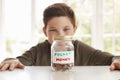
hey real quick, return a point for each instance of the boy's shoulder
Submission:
(44, 43)
(78, 43)
(41, 45)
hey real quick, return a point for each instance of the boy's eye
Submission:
(66, 29)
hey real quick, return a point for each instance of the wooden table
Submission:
(45, 73)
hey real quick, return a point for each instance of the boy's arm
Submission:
(29, 57)
(91, 56)
(100, 58)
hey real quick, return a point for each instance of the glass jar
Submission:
(62, 53)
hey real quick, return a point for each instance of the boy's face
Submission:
(59, 26)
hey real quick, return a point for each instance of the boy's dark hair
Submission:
(57, 10)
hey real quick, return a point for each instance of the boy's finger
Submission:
(20, 65)
(5, 67)
(1, 65)
(117, 66)
(12, 66)
(112, 66)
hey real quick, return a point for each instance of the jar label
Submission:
(63, 57)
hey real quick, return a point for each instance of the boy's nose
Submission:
(60, 33)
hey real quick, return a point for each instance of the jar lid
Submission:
(63, 38)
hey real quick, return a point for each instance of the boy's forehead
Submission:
(53, 27)
(59, 21)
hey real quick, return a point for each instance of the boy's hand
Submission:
(11, 65)
(115, 64)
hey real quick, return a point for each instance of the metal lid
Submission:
(63, 38)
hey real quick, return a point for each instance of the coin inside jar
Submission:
(62, 67)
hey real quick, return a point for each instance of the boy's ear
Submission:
(75, 28)
(44, 30)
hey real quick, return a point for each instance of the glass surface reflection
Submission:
(62, 75)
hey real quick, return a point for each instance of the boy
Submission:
(59, 20)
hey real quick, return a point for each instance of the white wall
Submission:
(2, 45)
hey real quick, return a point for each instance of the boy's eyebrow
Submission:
(52, 27)
(55, 27)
